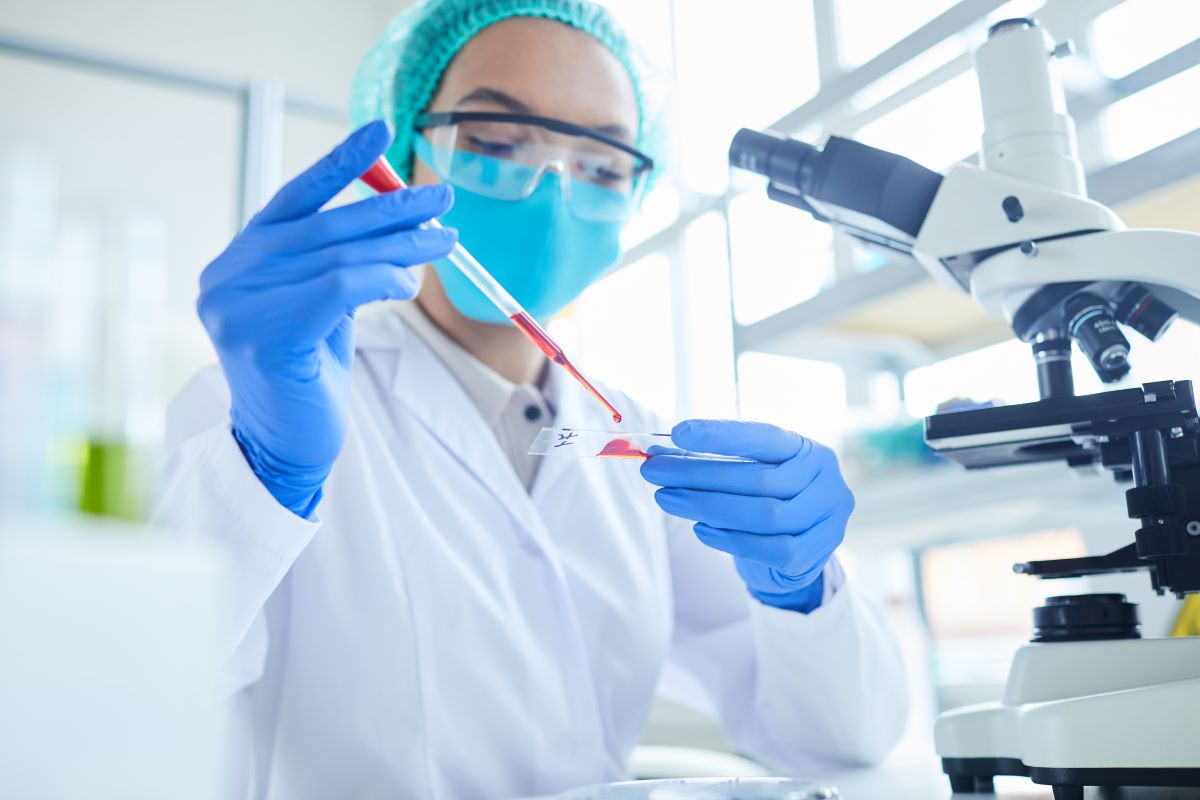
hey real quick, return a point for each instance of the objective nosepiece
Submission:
(1053, 358)
(1137, 308)
(1091, 323)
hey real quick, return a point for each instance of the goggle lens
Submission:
(507, 161)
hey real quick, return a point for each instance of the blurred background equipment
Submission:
(1065, 270)
(762, 311)
(108, 680)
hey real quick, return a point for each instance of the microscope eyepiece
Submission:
(1090, 322)
(780, 159)
(875, 195)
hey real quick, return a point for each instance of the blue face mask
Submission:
(535, 247)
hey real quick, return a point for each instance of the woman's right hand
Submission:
(279, 307)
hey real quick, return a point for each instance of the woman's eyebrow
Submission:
(616, 130)
(485, 94)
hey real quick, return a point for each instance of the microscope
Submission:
(1088, 701)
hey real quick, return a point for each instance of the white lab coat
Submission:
(439, 632)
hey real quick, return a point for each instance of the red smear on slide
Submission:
(621, 448)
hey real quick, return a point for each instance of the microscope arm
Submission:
(1165, 261)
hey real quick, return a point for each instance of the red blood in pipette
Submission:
(622, 448)
(530, 328)
(382, 178)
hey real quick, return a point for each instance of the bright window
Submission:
(808, 397)
(915, 69)
(1153, 116)
(738, 66)
(781, 255)
(659, 210)
(868, 27)
(648, 22)
(979, 612)
(707, 360)
(937, 129)
(1173, 357)
(622, 327)
(1005, 372)
(969, 589)
(1136, 32)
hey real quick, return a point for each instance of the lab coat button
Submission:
(533, 413)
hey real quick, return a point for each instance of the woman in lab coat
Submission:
(420, 609)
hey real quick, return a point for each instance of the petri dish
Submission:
(705, 789)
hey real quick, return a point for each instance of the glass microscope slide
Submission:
(581, 443)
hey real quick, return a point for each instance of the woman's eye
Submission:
(492, 148)
(606, 177)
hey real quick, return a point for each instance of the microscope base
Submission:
(1075, 714)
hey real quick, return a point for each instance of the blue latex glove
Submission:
(780, 516)
(279, 306)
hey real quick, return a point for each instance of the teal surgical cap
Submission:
(401, 72)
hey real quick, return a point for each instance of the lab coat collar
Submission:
(424, 386)
(488, 391)
(443, 406)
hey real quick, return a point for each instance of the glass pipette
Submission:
(382, 178)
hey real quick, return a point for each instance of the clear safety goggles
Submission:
(507, 156)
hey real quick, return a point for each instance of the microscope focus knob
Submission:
(1156, 541)
(1155, 500)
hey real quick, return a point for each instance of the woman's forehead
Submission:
(488, 98)
(542, 67)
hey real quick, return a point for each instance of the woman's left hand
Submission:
(780, 516)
